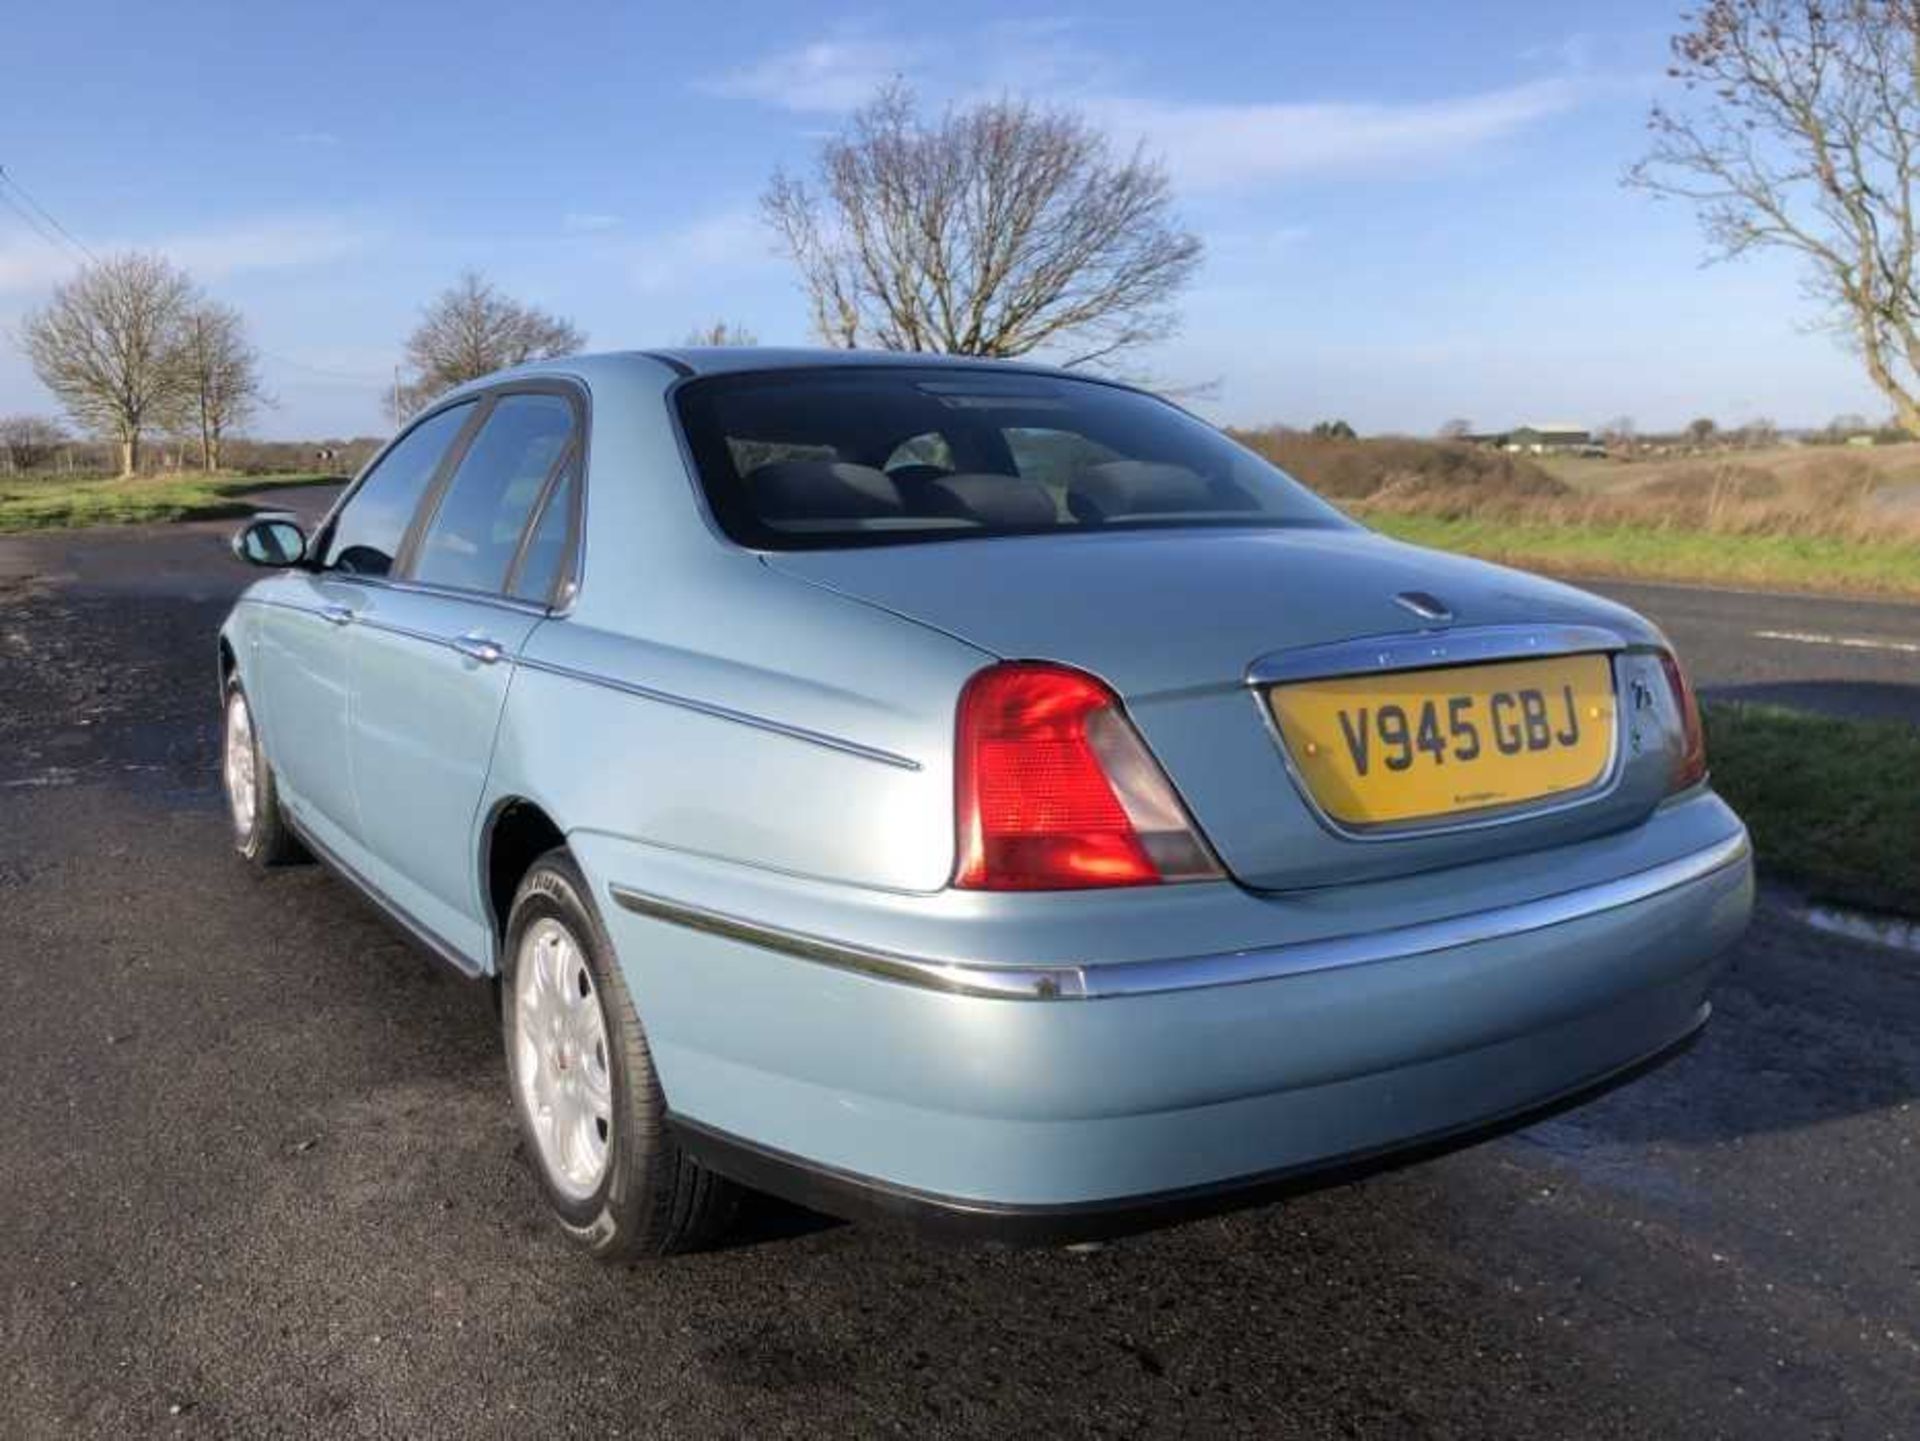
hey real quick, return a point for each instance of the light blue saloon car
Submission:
(967, 791)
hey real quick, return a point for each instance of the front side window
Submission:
(475, 533)
(367, 535)
(815, 458)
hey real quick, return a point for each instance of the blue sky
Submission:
(1412, 210)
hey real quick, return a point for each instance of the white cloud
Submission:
(826, 75)
(1208, 145)
(673, 258)
(1216, 146)
(588, 222)
(31, 264)
(269, 243)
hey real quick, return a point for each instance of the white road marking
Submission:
(1851, 642)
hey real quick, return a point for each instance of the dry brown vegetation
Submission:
(1828, 494)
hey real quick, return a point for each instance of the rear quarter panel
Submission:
(748, 718)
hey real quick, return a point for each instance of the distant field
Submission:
(1651, 552)
(54, 503)
(1887, 476)
(1812, 518)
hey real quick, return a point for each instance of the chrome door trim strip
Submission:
(1429, 650)
(343, 615)
(1107, 980)
(643, 692)
(721, 712)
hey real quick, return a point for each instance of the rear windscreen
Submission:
(817, 457)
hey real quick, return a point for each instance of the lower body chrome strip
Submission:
(1101, 980)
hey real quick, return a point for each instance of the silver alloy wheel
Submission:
(560, 1060)
(237, 766)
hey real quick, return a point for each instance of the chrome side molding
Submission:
(1009, 983)
(1426, 650)
(721, 712)
(1107, 980)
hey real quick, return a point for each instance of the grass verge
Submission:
(55, 504)
(1771, 562)
(1833, 805)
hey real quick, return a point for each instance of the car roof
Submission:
(729, 359)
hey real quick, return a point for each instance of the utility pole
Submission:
(396, 398)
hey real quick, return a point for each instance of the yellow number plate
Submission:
(1410, 745)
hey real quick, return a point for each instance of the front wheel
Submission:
(260, 831)
(584, 1088)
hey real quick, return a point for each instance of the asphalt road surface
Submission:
(258, 1172)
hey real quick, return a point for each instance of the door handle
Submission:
(336, 614)
(475, 646)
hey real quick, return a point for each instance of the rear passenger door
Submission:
(489, 554)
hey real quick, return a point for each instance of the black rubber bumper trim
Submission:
(857, 1197)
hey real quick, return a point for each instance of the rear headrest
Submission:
(1001, 500)
(822, 490)
(908, 476)
(1137, 487)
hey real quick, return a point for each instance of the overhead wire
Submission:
(47, 226)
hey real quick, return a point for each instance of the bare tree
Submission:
(998, 230)
(471, 330)
(1701, 430)
(107, 346)
(220, 377)
(722, 333)
(1806, 137)
(1619, 431)
(31, 441)
(1456, 429)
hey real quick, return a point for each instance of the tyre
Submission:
(584, 1088)
(260, 830)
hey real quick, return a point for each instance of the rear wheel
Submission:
(260, 831)
(584, 1087)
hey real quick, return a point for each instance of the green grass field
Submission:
(52, 503)
(1768, 562)
(1833, 805)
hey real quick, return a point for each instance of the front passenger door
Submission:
(434, 658)
(302, 663)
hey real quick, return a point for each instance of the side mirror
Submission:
(270, 540)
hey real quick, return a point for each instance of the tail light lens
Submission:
(1690, 768)
(1056, 791)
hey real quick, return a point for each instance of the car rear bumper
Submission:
(1062, 1103)
(855, 1197)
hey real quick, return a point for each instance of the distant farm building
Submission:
(1542, 440)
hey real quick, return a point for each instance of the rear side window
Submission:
(811, 458)
(475, 532)
(545, 563)
(367, 535)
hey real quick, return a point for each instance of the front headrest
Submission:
(1138, 487)
(822, 490)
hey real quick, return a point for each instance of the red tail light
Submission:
(1055, 791)
(1691, 766)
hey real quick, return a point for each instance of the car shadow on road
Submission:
(1808, 1028)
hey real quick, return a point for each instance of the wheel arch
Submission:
(518, 831)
